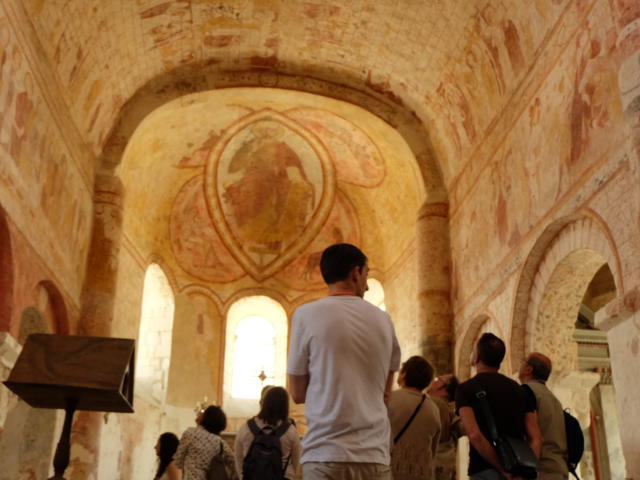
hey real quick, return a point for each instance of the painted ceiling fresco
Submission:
(456, 64)
(257, 182)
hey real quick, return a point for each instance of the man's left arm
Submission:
(394, 364)
(534, 436)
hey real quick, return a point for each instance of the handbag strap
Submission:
(406, 425)
(488, 416)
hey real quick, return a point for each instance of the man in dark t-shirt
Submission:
(513, 409)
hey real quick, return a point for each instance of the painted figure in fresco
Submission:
(273, 199)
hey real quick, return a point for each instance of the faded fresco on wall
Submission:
(38, 176)
(196, 243)
(267, 199)
(342, 226)
(268, 184)
(357, 158)
(485, 72)
(569, 126)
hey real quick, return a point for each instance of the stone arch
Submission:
(60, 320)
(190, 79)
(579, 243)
(6, 274)
(465, 347)
(27, 438)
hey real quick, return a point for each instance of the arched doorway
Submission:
(571, 280)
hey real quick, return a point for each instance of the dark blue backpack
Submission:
(575, 442)
(264, 458)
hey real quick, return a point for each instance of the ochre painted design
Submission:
(196, 243)
(269, 185)
(267, 201)
(341, 226)
(357, 158)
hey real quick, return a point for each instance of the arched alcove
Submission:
(559, 239)
(51, 302)
(255, 353)
(154, 336)
(576, 273)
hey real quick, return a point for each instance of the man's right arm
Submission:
(298, 387)
(478, 440)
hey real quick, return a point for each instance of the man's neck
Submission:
(341, 288)
(482, 368)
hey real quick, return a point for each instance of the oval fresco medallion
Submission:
(269, 186)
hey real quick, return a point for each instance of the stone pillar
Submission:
(621, 320)
(9, 351)
(96, 311)
(434, 286)
(99, 289)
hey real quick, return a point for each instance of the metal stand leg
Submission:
(63, 450)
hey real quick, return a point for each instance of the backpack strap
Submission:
(253, 426)
(278, 432)
(406, 425)
(282, 429)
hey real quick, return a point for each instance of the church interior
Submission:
(485, 155)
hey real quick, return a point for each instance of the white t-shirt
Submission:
(347, 346)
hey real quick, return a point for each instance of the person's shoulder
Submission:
(471, 383)
(308, 307)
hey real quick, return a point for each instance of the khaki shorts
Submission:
(345, 471)
(551, 476)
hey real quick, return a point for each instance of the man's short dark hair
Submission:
(491, 350)
(338, 260)
(539, 370)
(214, 420)
(418, 372)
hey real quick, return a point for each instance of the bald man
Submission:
(534, 372)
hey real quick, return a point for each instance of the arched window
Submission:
(375, 294)
(154, 337)
(255, 354)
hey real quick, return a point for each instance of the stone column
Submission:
(99, 289)
(96, 311)
(9, 351)
(434, 286)
(621, 320)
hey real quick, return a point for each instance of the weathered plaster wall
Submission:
(567, 152)
(43, 190)
(560, 151)
(400, 285)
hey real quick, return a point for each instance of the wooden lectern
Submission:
(74, 373)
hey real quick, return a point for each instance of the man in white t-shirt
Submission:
(342, 358)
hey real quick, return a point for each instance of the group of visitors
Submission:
(343, 357)
(201, 453)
